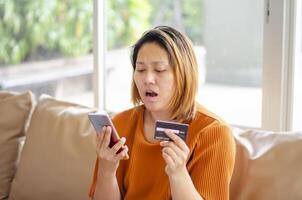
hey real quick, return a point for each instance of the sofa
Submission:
(47, 151)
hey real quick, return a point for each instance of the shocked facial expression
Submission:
(154, 77)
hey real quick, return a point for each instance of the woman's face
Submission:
(154, 77)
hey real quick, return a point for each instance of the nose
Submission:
(149, 78)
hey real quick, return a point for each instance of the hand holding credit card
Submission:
(177, 128)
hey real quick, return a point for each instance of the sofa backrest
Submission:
(59, 153)
(268, 165)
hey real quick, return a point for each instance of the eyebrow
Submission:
(153, 62)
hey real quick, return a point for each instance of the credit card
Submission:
(178, 128)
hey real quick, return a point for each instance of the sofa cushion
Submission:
(15, 109)
(268, 165)
(58, 155)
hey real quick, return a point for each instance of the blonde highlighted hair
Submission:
(184, 65)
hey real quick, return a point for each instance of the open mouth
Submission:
(151, 94)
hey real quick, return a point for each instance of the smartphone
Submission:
(101, 119)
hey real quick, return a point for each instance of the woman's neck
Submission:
(153, 116)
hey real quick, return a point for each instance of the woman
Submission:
(164, 87)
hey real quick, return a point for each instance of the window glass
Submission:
(227, 38)
(46, 47)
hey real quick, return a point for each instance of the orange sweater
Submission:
(210, 164)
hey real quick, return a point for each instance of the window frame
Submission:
(278, 69)
(99, 52)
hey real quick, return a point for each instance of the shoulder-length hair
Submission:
(183, 61)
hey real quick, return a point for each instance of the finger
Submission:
(121, 154)
(100, 137)
(118, 145)
(107, 136)
(169, 161)
(126, 157)
(178, 141)
(176, 159)
(100, 134)
(179, 152)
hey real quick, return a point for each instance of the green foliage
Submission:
(188, 17)
(193, 20)
(126, 21)
(27, 26)
(72, 27)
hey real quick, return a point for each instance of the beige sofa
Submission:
(58, 154)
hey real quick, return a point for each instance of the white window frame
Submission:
(278, 57)
(278, 69)
(99, 52)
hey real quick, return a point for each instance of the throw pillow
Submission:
(59, 153)
(14, 112)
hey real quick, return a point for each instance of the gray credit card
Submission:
(178, 128)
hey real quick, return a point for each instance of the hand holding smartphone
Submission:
(101, 119)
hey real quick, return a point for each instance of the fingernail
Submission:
(162, 143)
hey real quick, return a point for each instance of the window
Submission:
(255, 90)
(232, 41)
(297, 106)
(46, 47)
(227, 38)
(249, 53)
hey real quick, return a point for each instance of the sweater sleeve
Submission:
(212, 162)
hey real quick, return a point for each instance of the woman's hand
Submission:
(175, 154)
(108, 157)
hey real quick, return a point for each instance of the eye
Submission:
(139, 70)
(160, 70)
